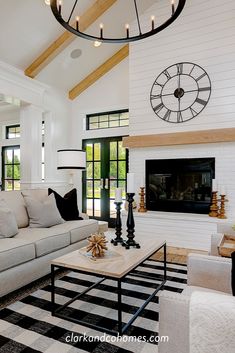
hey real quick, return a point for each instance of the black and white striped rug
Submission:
(27, 325)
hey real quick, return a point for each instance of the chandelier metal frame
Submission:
(56, 10)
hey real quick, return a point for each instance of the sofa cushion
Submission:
(15, 202)
(14, 252)
(189, 290)
(79, 230)
(42, 214)
(8, 224)
(45, 240)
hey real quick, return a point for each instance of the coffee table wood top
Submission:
(118, 265)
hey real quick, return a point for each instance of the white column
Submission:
(31, 146)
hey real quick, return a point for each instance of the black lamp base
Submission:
(130, 224)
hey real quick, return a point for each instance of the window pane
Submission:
(124, 122)
(121, 169)
(89, 152)
(16, 156)
(121, 151)
(97, 151)
(122, 184)
(8, 185)
(8, 156)
(93, 119)
(113, 186)
(89, 206)
(112, 209)
(94, 126)
(16, 185)
(113, 150)
(89, 170)
(89, 189)
(113, 170)
(97, 208)
(16, 172)
(8, 172)
(114, 123)
(97, 174)
(103, 125)
(114, 117)
(124, 115)
(97, 189)
(104, 118)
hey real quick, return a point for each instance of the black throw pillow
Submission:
(233, 272)
(67, 205)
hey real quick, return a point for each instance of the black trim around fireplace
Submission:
(179, 185)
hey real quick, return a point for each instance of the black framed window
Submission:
(12, 131)
(11, 168)
(107, 120)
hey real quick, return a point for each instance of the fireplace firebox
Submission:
(179, 185)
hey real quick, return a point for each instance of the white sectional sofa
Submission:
(26, 257)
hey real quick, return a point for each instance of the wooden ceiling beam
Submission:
(86, 20)
(99, 72)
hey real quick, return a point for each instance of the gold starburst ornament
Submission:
(97, 245)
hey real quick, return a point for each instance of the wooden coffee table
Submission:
(119, 263)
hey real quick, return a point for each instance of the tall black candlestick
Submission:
(130, 224)
(118, 226)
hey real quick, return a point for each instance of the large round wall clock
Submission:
(180, 92)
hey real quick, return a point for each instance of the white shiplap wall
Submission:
(203, 34)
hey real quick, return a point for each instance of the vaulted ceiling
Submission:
(28, 28)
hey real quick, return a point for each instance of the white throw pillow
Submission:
(8, 224)
(42, 214)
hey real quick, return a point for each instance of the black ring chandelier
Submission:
(56, 7)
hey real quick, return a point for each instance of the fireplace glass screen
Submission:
(179, 185)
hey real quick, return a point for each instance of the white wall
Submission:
(111, 92)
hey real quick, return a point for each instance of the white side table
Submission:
(102, 227)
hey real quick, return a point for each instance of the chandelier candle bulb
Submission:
(153, 22)
(173, 6)
(130, 183)
(60, 6)
(214, 185)
(127, 30)
(118, 195)
(101, 30)
(77, 23)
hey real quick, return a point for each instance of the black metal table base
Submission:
(121, 327)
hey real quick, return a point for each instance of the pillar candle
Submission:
(214, 185)
(130, 183)
(118, 195)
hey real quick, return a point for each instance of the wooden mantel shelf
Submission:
(180, 138)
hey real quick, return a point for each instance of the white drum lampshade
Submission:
(71, 159)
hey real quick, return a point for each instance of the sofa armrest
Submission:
(84, 216)
(174, 322)
(215, 240)
(212, 272)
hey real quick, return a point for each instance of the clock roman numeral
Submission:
(155, 96)
(158, 108)
(167, 115)
(202, 89)
(200, 77)
(179, 69)
(201, 101)
(158, 84)
(179, 117)
(166, 73)
(193, 112)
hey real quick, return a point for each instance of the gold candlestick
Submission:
(214, 205)
(142, 202)
(221, 213)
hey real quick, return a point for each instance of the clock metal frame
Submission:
(179, 93)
